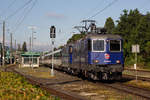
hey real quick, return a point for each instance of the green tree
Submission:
(127, 28)
(147, 49)
(109, 25)
(24, 47)
(134, 27)
(147, 56)
(143, 35)
(60, 47)
(76, 37)
(19, 47)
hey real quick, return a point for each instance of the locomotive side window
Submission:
(98, 45)
(115, 45)
(89, 45)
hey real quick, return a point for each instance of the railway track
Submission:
(138, 77)
(54, 91)
(139, 70)
(127, 88)
(143, 75)
(119, 86)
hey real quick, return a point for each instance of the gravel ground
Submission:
(76, 85)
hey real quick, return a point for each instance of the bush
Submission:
(15, 87)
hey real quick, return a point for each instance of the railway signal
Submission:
(52, 32)
(52, 36)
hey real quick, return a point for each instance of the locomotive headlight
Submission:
(117, 61)
(95, 61)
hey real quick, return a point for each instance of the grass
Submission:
(37, 72)
(40, 74)
(15, 87)
(139, 83)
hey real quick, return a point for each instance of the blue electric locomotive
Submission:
(98, 56)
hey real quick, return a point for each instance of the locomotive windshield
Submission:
(115, 45)
(98, 45)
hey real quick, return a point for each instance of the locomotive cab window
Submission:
(115, 45)
(98, 45)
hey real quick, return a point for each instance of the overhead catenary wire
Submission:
(20, 21)
(95, 7)
(19, 9)
(92, 10)
(9, 6)
(107, 6)
(100, 11)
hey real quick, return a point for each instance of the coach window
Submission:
(115, 45)
(70, 49)
(98, 45)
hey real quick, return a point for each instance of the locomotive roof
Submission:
(97, 36)
(104, 36)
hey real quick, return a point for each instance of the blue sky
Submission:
(64, 14)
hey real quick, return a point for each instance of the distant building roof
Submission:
(30, 54)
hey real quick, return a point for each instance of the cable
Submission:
(98, 4)
(90, 11)
(23, 18)
(11, 15)
(110, 4)
(9, 6)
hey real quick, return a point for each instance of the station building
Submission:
(30, 59)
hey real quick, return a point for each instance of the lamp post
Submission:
(52, 36)
(32, 28)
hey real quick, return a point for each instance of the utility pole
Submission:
(3, 44)
(32, 46)
(30, 50)
(15, 46)
(15, 52)
(10, 48)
